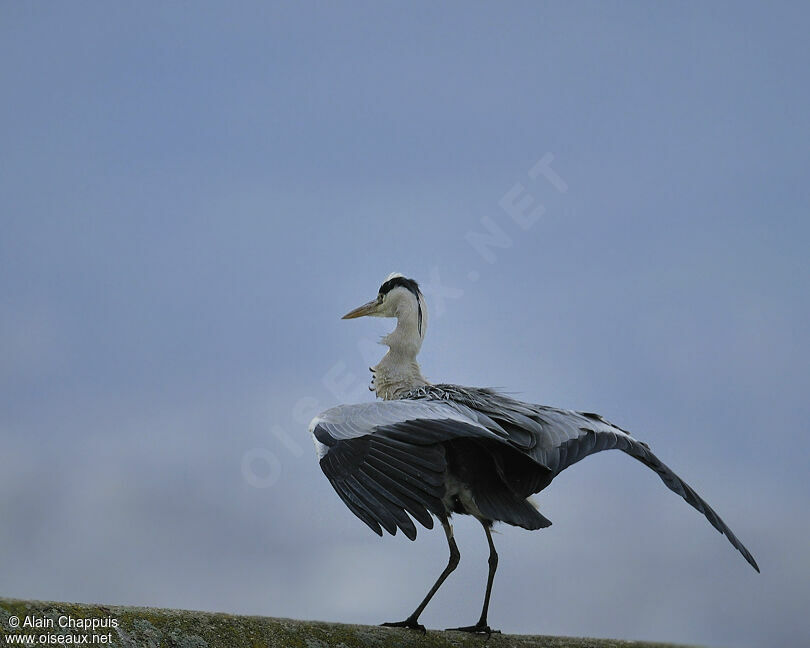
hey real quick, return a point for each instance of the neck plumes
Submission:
(398, 372)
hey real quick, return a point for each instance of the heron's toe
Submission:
(478, 628)
(413, 624)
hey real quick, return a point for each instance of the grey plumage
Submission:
(387, 458)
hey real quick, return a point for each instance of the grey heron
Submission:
(437, 449)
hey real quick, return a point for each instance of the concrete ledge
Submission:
(69, 624)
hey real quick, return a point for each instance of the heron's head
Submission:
(398, 297)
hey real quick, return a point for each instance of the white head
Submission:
(398, 297)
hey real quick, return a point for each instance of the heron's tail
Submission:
(501, 505)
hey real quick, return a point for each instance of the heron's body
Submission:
(434, 450)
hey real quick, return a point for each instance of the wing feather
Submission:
(386, 461)
(381, 513)
(359, 509)
(401, 495)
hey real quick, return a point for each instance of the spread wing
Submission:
(385, 459)
(556, 439)
(582, 434)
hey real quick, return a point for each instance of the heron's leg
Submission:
(455, 556)
(481, 626)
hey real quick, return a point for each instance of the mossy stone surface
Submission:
(162, 628)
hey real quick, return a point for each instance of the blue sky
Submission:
(191, 198)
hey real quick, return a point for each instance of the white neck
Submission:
(398, 372)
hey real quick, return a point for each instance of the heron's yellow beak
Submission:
(365, 309)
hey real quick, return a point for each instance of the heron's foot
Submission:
(478, 628)
(411, 623)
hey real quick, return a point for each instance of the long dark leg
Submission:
(481, 626)
(455, 556)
